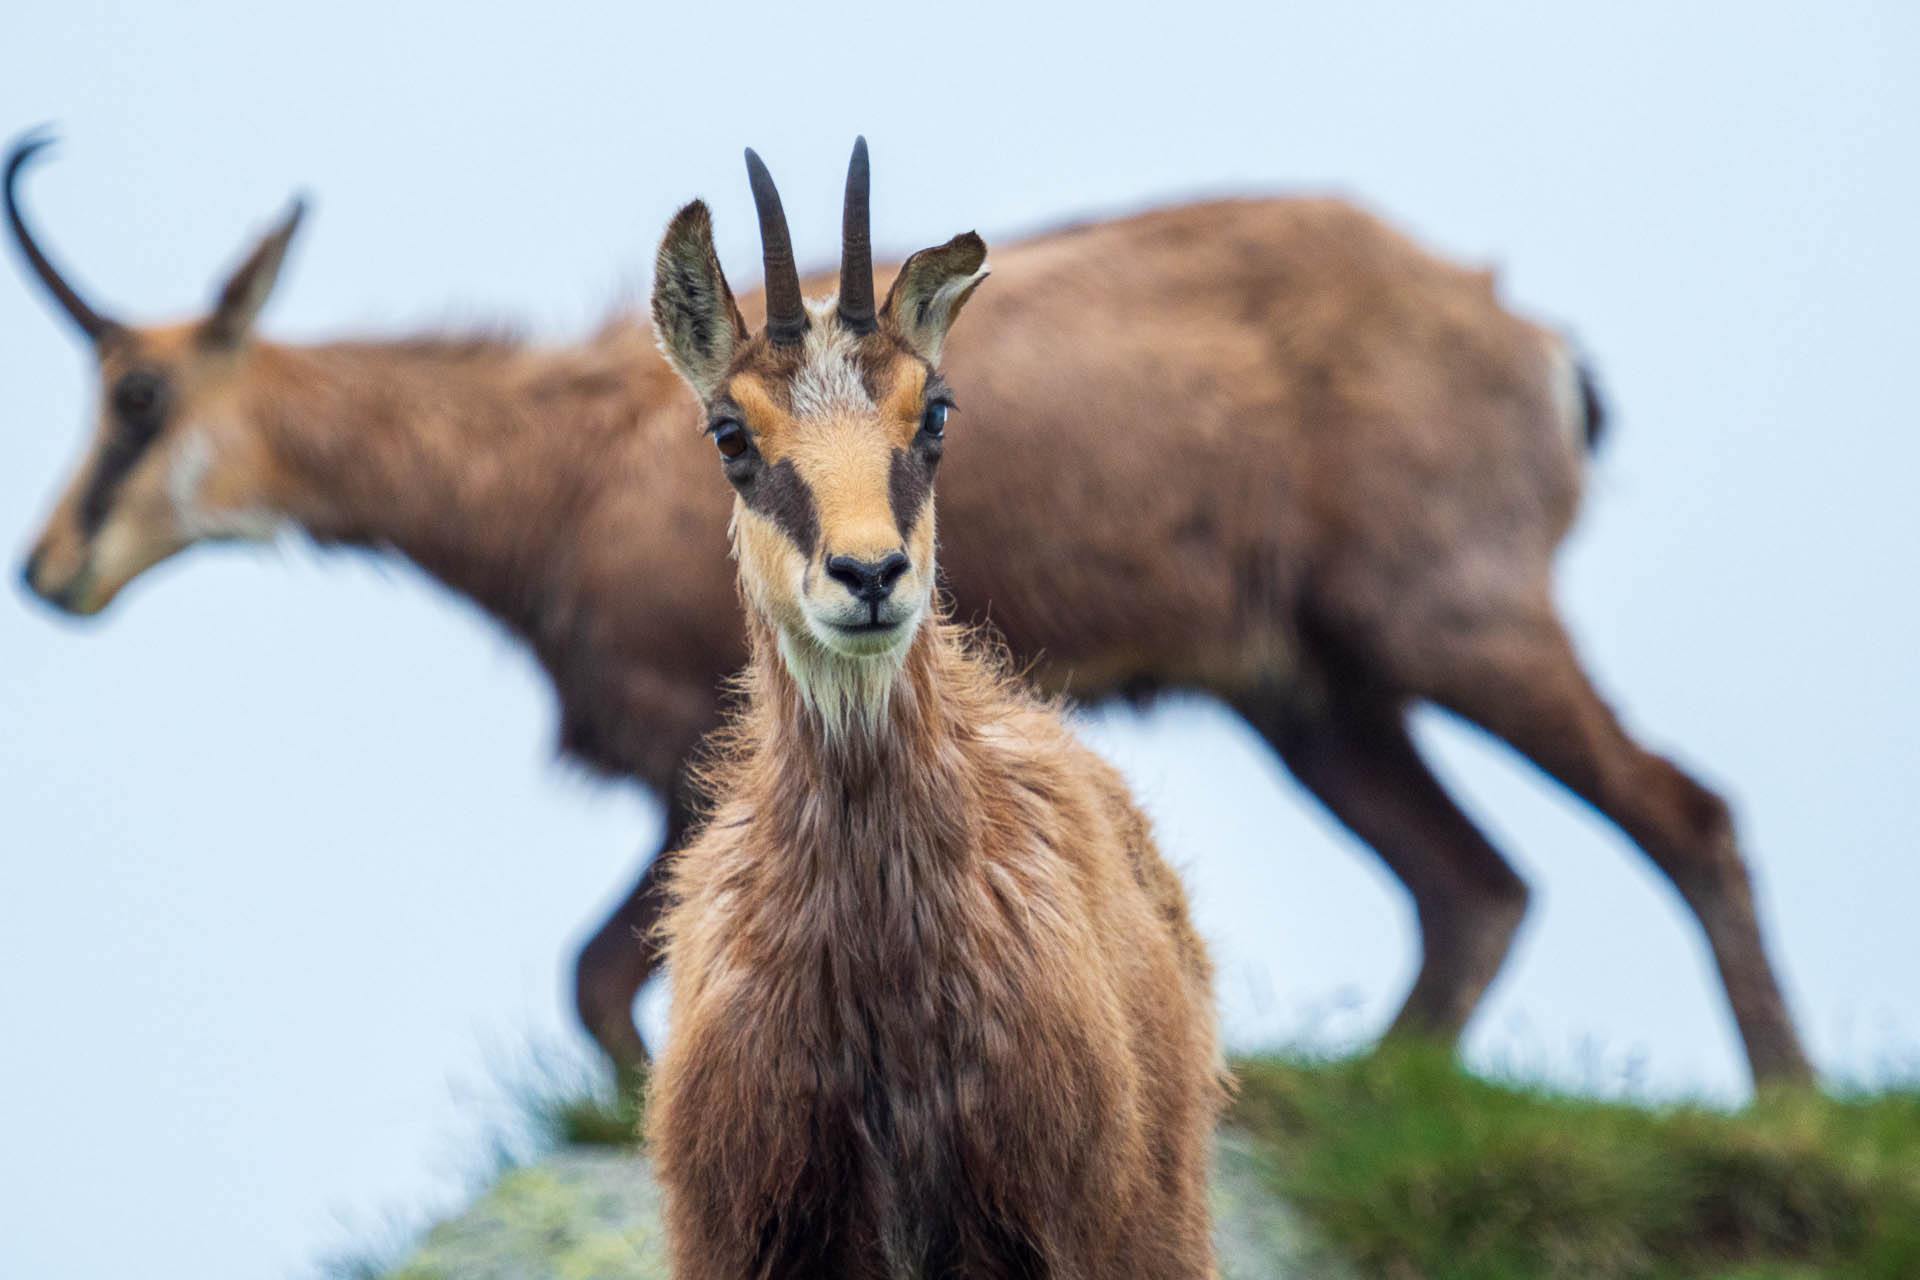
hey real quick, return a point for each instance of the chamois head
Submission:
(168, 466)
(829, 425)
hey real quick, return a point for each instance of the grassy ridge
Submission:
(1414, 1169)
(1417, 1170)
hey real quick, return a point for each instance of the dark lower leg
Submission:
(1358, 760)
(614, 964)
(1689, 833)
(622, 955)
(1527, 687)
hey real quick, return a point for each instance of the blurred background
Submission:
(286, 869)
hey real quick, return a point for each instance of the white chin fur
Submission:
(847, 679)
(859, 645)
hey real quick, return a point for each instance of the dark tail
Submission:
(1593, 409)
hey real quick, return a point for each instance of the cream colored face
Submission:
(831, 447)
(171, 463)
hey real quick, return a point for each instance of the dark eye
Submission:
(137, 399)
(934, 420)
(730, 438)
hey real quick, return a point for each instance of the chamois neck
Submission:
(871, 827)
(846, 716)
(866, 795)
(470, 457)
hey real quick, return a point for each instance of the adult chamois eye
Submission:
(934, 420)
(138, 400)
(730, 438)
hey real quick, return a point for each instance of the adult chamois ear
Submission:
(695, 319)
(247, 289)
(930, 290)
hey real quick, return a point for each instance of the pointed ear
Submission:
(248, 288)
(695, 319)
(930, 290)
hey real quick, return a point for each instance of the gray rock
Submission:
(1257, 1235)
(594, 1214)
(588, 1213)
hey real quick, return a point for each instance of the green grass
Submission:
(604, 1114)
(1417, 1170)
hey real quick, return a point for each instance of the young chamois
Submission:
(1268, 450)
(937, 1007)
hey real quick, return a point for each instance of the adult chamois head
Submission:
(162, 472)
(829, 425)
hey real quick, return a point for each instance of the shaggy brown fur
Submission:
(960, 1009)
(1265, 449)
(937, 1007)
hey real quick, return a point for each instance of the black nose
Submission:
(871, 581)
(30, 570)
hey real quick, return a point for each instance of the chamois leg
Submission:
(623, 954)
(1520, 679)
(1356, 757)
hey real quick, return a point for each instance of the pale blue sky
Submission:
(284, 853)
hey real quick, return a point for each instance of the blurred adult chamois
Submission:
(938, 1009)
(1266, 449)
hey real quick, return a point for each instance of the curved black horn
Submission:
(856, 248)
(786, 313)
(91, 322)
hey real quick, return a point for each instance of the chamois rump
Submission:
(1264, 449)
(937, 1006)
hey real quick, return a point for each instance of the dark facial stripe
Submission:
(139, 402)
(778, 493)
(909, 482)
(122, 454)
